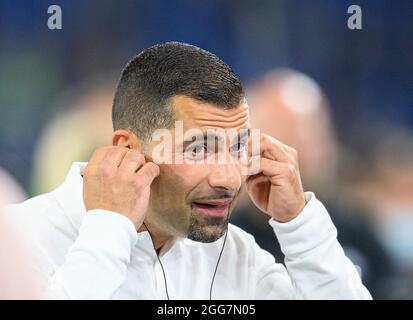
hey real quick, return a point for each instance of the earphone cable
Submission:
(160, 262)
(216, 267)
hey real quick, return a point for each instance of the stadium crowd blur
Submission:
(342, 98)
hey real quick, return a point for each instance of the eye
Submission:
(238, 147)
(197, 150)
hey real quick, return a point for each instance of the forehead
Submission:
(205, 116)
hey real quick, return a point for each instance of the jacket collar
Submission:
(70, 194)
(70, 197)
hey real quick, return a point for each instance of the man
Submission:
(128, 226)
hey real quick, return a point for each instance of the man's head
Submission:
(178, 82)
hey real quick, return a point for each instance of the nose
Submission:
(226, 176)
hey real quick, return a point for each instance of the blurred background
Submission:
(343, 98)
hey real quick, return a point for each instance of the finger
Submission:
(255, 179)
(274, 149)
(99, 154)
(270, 148)
(115, 156)
(275, 171)
(148, 173)
(260, 164)
(271, 168)
(267, 167)
(131, 162)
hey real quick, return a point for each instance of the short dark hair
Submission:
(162, 71)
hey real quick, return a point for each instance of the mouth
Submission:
(213, 208)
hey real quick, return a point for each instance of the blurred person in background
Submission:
(10, 189)
(16, 277)
(381, 180)
(290, 106)
(74, 133)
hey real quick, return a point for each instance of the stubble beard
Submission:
(207, 229)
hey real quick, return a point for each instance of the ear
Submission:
(127, 139)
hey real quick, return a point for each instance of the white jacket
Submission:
(99, 255)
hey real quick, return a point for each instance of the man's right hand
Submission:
(118, 179)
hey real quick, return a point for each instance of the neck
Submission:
(158, 238)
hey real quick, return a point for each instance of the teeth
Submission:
(206, 204)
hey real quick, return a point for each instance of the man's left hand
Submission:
(276, 189)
